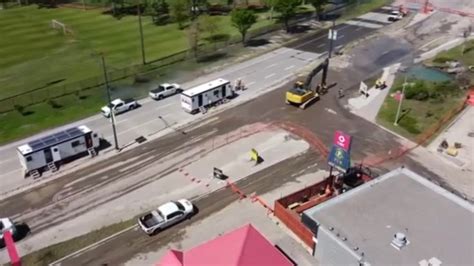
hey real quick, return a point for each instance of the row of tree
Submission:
(242, 19)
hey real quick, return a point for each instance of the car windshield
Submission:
(180, 206)
(110, 105)
(159, 89)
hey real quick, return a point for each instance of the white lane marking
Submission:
(270, 66)
(269, 76)
(330, 111)
(340, 36)
(163, 106)
(93, 245)
(290, 67)
(250, 83)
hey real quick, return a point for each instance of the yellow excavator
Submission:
(301, 94)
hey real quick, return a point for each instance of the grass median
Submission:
(57, 251)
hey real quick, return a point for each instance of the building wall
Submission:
(333, 251)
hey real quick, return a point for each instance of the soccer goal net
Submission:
(57, 25)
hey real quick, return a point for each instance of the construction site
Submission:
(303, 174)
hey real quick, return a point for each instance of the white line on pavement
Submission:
(92, 245)
(340, 36)
(290, 67)
(250, 83)
(269, 76)
(270, 66)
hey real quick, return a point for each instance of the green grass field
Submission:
(417, 116)
(33, 54)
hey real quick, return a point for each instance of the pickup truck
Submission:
(166, 215)
(164, 90)
(119, 106)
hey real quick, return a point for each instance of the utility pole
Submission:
(395, 123)
(112, 115)
(141, 32)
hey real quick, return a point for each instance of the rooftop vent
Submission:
(399, 241)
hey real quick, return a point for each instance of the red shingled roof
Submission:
(242, 247)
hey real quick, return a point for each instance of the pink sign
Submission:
(342, 140)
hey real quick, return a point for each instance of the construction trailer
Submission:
(205, 95)
(47, 152)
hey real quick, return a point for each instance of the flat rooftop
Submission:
(436, 222)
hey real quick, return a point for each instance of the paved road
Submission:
(259, 73)
(320, 119)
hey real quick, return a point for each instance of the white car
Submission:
(6, 225)
(165, 90)
(395, 16)
(166, 215)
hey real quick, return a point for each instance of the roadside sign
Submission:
(342, 140)
(218, 173)
(363, 88)
(332, 35)
(339, 158)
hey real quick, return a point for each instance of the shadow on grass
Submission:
(211, 57)
(256, 42)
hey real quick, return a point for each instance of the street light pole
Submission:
(112, 115)
(141, 32)
(395, 123)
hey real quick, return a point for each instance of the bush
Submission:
(410, 124)
(417, 91)
(19, 108)
(442, 59)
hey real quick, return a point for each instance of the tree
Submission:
(179, 12)
(287, 9)
(271, 4)
(318, 6)
(210, 24)
(243, 20)
(160, 12)
(193, 33)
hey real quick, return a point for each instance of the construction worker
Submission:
(341, 93)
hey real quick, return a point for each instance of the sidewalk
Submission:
(368, 107)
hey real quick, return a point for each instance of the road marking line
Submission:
(290, 67)
(270, 66)
(92, 245)
(269, 76)
(340, 36)
(250, 83)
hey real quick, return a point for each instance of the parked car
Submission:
(6, 225)
(166, 215)
(119, 106)
(165, 90)
(395, 16)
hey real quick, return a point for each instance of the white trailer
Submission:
(205, 95)
(44, 153)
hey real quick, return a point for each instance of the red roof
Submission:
(242, 247)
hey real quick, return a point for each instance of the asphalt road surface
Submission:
(258, 73)
(321, 119)
(368, 139)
